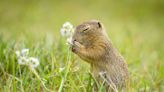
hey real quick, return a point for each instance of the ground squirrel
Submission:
(92, 44)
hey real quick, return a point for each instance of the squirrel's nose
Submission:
(73, 40)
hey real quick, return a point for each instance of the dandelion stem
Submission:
(37, 75)
(66, 71)
(22, 89)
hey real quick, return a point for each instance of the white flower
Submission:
(33, 62)
(25, 52)
(67, 29)
(68, 25)
(65, 32)
(23, 60)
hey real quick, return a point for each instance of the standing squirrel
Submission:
(92, 44)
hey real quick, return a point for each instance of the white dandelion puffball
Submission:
(23, 60)
(22, 53)
(33, 62)
(68, 25)
(25, 52)
(67, 29)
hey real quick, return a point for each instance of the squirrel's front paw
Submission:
(76, 47)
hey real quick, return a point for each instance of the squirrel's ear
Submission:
(99, 25)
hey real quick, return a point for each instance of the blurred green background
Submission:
(136, 28)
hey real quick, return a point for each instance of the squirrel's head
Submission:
(88, 32)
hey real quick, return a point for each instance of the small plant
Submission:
(24, 59)
(31, 62)
(66, 31)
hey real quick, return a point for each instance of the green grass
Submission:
(136, 30)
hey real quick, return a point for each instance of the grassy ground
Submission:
(136, 29)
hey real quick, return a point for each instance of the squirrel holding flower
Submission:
(92, 44)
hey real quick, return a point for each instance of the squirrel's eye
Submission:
(85, 29)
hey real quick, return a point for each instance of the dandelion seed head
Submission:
(65, 32)
(22, 60)
(67, 29)
(68, 25)
(25, 52)
(33, 62)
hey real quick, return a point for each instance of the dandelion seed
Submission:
(33, 62)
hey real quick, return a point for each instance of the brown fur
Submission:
(91, 43)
